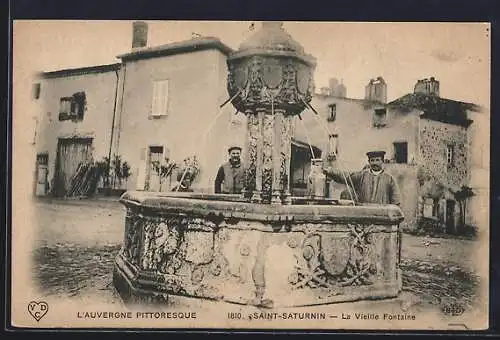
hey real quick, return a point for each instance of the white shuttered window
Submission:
(160, 98)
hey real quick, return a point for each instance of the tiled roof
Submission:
(80, 71)
(303, 145)
(191, 45)
(437, 108)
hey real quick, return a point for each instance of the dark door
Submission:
(401, 152)
(450, 216)
(71, 152)
(153, 180)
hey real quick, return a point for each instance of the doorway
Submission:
(450, 216)
(42, 164)
(153, 178)
(71, 152)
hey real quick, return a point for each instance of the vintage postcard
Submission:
(270, 175)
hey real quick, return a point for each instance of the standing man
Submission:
(372, 184)
(229, 179)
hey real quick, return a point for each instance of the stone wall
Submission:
(434, 138)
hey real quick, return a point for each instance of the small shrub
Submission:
(429, 226)
(467, 230)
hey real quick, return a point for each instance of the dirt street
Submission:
(78, 240)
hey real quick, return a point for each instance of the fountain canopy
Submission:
(270, 80)
(271, 70)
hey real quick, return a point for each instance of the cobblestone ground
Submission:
(78, 240)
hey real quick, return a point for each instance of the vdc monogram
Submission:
(38, 309)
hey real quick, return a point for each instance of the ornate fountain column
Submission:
(272, 79)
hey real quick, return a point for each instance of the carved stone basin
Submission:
(224, 248)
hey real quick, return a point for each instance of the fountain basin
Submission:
(221, 247)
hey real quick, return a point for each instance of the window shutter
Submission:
(164, 96)
(161, 87)
(67, 106)
(154, 104)
(167, 94)
(160, 98)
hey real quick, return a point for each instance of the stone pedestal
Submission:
(264, 255)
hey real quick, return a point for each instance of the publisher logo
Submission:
(452, 308)
(38, 309)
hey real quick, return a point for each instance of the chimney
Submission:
(337, 89)
(342, 89)
(376, 90)
(333, 84)
(428, 86)
(139, 34)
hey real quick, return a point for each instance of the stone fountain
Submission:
(263, 247)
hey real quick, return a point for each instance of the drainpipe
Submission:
(119, 117)
(112, 126)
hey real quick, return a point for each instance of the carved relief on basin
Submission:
(262, 259)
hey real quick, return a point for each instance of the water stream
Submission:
(348, 180)
(205, 135)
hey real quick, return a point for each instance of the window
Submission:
(332, 112)
(155, 153)
(428, 207)
(64, 106)
(78, 108)
(401, 152)
(36, 91)
(380, 117)
(42, 158)
(333, 146)
(160, 98)
(450, 155)
(72, 108)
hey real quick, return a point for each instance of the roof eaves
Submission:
(410, 100)
(305, 145)
(70, 72)
(359, 100)
(186, 46)
(465, 122)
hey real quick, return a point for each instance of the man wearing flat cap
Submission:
(372, 184)
(229, 179)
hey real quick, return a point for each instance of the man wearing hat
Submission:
(229, 179)
(372, 184)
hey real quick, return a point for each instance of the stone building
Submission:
(427, 140)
